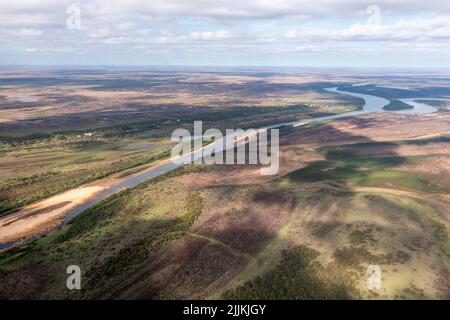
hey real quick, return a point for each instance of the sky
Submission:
(345, 33)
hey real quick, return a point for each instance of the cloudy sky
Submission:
(375, 33)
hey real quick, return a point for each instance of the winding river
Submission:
(419, 107)
(372, 104)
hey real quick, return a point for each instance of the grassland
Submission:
(309, 233)
(41, 104)
(69, 131)
(366, 190)
(37, 170)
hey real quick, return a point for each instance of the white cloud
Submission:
(125, 26)
(211, 35)
(414, 29)
(53, 12)
(224, 26)
(25, 32)
(261, 9)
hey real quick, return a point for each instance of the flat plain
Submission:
(371, 189)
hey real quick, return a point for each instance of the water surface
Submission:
(372, 104)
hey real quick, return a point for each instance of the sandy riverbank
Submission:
(44, 215)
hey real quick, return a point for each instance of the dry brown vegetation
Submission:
(371, 189)
(46, 101)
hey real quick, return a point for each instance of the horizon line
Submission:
(10, 66)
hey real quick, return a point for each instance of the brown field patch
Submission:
(233, 218)
(191, 269)
(371, 127)
(435, 169)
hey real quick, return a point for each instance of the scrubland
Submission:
(366, 190)
(351, 193)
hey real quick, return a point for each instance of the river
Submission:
(371, 104)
